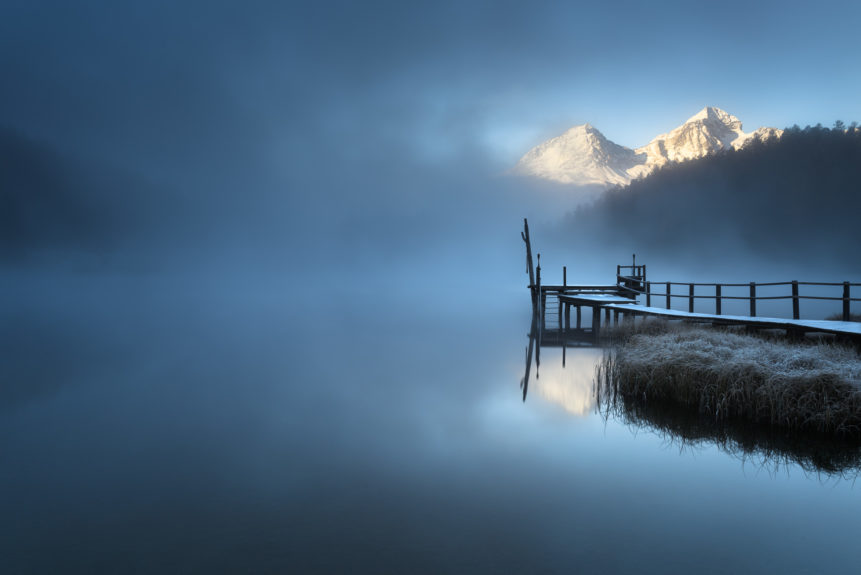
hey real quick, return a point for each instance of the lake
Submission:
(154, 425)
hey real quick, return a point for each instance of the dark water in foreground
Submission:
(173, 431)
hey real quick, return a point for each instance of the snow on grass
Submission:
(734, 376)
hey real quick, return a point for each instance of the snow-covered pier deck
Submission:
(795, 326)
(632, 295)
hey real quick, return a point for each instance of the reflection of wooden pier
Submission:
(620, 300)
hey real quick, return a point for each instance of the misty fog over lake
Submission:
(265, 309)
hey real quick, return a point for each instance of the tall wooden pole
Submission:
(529, 268)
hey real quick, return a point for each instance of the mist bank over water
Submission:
(772, 208)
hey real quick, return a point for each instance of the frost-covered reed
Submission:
(729, 376)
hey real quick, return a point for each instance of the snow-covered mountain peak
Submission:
(715, 115)
(582, 155)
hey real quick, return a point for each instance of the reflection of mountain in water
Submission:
(764, 446)
(570, 386)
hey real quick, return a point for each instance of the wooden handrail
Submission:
(631, 283)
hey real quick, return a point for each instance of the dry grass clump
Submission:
(732, 376)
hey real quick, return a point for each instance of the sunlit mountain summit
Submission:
(583, 156)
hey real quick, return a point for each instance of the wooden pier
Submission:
(632, 296)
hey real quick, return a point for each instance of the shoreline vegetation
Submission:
(754, 395)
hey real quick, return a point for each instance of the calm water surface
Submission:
(151, 428)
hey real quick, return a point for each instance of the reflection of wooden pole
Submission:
(524, 383)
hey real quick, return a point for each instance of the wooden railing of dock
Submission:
(632, 284)
(689, 291)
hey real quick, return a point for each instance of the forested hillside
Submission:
(797, 198)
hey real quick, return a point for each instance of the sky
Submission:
(361, 118)
(261, 260)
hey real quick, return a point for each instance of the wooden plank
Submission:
(593, 299)
(848, 328)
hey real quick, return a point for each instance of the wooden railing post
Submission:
(845, 301)
(618, 273)
(539, 295)
(648, 294)
(690, 298)
(564, 276)
(752, 299)
(717, 299)
(795, 311)
(669, 303)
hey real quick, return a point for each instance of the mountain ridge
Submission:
(584, 156)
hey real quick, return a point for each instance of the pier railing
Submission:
(692, 291)
(632, 283)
